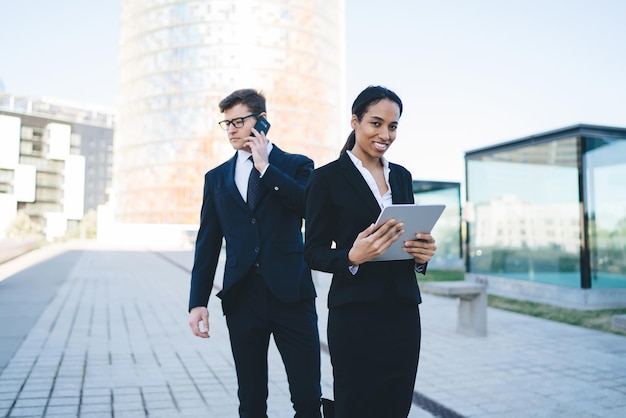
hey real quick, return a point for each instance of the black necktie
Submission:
(254, 186)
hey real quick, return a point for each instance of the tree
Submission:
(22, 225)
(89, 225)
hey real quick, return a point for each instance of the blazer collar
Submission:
(277, 156)
(356, 180)
(398, 194)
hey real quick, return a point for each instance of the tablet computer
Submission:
(416, 218)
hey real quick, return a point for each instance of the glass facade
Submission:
(605, 196)
(178, 59)
(550, 209)
(447, 231)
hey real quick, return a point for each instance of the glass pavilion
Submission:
(546, 216)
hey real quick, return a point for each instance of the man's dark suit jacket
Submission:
(270, 236)
(339, 205)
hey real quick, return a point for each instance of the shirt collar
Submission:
(243, 155)
(359, 163)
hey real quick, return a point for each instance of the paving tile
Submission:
(95, 399)
(66, 393)
(6, 403)
(163, 413)
(128, 406)
(30, 402)
(40, 394)
(63, 410)
(134, 413)
(27, 412)
(63, 401)
(95, 415)
(9, 395)
(95, 408)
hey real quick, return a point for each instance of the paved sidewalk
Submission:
(107, 336)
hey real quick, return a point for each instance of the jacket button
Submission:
(256, 250)
(276, 188)
(253, 220)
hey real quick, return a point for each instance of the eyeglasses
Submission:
(237, 122)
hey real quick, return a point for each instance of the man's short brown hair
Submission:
(249, 97)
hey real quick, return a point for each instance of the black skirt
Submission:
(374, 349)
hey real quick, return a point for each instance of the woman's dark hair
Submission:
(370, 96)
(249, 97)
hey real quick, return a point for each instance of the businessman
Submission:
(257, 205)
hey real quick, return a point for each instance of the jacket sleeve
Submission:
(319, 234)
(208, 247)
(289, 189)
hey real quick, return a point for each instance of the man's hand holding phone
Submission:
(257, 144)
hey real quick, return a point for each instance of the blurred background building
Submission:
(546, 217)
(448, 229)
(55, 161)
(178, 59)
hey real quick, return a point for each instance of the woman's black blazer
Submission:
(339, 205)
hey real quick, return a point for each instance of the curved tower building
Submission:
(178, 59)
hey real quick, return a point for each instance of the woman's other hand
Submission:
(422, 249)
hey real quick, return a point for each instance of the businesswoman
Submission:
(373, 322)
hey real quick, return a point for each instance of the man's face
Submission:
(237, 136)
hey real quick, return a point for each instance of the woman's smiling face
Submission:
(376, 130)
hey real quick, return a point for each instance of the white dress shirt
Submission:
(243, 166)
(383, 200)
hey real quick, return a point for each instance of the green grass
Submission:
(441, 275)
(598, 319)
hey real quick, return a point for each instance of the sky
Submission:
(470, 73)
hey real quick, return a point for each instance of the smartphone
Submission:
(262, 125)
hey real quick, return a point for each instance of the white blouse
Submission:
(385, 199)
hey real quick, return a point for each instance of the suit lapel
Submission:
(229, 181)
(358, 183)
(277, 156)
(398, 190)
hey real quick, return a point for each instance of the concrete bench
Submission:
(472, 304)
(618, 322)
